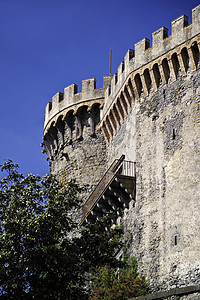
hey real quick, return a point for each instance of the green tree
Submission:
(123, 283)
(40, 258)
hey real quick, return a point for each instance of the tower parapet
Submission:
(146, 68)
(71, 99)
(150, 117)
(74, 146)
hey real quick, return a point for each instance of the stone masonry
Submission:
(74, 145)
(150, 112)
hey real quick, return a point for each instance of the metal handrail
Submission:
(127, 168)
(119, 166)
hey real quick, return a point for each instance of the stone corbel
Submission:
(191, 58)
(162, 74)
(153, 80)
(144, 86)
(172, 71)
(181, 63)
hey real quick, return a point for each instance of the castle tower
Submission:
(74, 146)
(149, 126)
(152, 116)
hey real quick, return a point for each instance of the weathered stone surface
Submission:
(162, 135)
(151, 114)
(86, 161)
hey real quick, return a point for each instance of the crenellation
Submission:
(107, 81)
(162, 44)
(120, 69)
(141, 48)
(73, 99)
(179, 32)
(48, 108)
(56, 99)
(147, 113)
(128, 56)
(114, 81)
(108, 91)
(88, 85)
(129, 60)
(195, 20)
(69, 93)
(158, 38)
(178, 25)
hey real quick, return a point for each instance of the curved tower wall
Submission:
(74, 146)
(152, 116)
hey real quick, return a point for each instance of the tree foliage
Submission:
(118, 284)
(46, 254)
(40, 258)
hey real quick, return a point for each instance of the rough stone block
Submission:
(140, 48)
(129, 54)
(69, 93)
(196, 19)
(106, 81)
(88, 85)
(158, 36)
(178, 25)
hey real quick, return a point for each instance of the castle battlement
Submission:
(72, 100)
(144, 56)
(135, 143)
(146, 69)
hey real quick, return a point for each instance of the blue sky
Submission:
(46, 45)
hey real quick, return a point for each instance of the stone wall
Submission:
(184, 293)
(149, 112)
(161, 134)
(75, 148)
(85, 161)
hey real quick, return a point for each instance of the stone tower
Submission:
(74, 145)
(150, 119)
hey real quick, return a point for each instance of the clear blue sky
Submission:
(45, 45)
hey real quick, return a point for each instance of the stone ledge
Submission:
(173, 292)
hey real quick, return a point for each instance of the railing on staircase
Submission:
(118, 167)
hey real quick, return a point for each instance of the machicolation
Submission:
(136, 143)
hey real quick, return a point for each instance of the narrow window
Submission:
(173, 134)
(123, 67)
(109, 90)
(175, 240)
(116, 78)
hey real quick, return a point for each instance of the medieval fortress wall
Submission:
(150, 112)
(74, 145)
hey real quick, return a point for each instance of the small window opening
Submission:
(116, 78)
(173, 134)
(109, 90)
(175, 240)
(123, 67)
